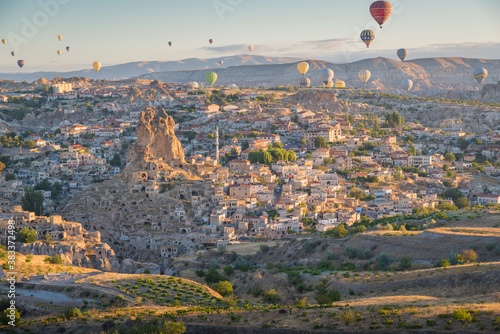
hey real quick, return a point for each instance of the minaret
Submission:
(217, 144)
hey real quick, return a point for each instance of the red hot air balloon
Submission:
(381, 10)
(211, 41)
(20, 63)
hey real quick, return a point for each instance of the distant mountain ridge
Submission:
(427, 74)
(135, 69)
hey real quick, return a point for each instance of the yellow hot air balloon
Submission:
(364, 76)
(59, 52)
(339, 84)
(59, 37)
(303, 67)
(4, 41)
(96, 65)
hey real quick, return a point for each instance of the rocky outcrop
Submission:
(156, 142)
(491, 92)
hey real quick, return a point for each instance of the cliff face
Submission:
(156, 141)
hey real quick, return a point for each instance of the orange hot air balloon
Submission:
(59, 37)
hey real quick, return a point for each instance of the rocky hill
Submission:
(427, 74)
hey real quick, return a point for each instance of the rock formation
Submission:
(156, 142)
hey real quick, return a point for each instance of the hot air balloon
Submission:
(329, 84)
(211, 41)
(367, 36)
(381, 10)
(480, 74)
(13, 53)
(407, 84)
(221, 62)
(250, 47)
(233, 86)
(59, 52)
(303, 67)
(96, 65)
(326, 75)
(20, 63)
(169, 43)
(211, 78)
(305, 82)
(402, 54)
(4, 41)
(67, 48)
(59, 37)
(193, 84)
(364, 76)
(339, 84)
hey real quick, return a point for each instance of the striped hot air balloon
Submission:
(339, 84)
(381, 10)
(480, 74)
(305, 82)
(364, 76)
(367, 36)
(20, 63)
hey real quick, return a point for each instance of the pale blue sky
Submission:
(119, 31)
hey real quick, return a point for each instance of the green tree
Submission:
(449, 157)
(291, 156)
(29, 144)
(2, 167)
(462, 202)
(271, 297)
(32, 201)
(405, 264)
(338, 231)
(303, 142)
(320, 141)
(173, 327)
(224, 288)
(463, 143)
(394, 120)
(26, 235)
(116, 161)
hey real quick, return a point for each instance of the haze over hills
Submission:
(451, 73)
(135, 69)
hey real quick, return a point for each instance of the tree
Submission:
(291, 156)
(5, 317)
(462, 202)
(338, 231)
(463, 143)
(449, 157)
(271, 297)
(405, 264)
(173, 327)
(467, 256)
(26, 235)
(320, 141)
(32, 201)
(394, 120)
(2, 167)
(228, 270)
(224, 288)
(303, 142)
(29, 144)
(116, 161)
(213, 276)
(323, 295)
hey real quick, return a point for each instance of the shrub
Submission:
(467, 256)
(256, 290)
(445, 263)
(271, 297)
(73, 313)
(264, 248)
(430, 322)
(56, 259)
(200, 273)
(4, 317)
(405, 264)
(26, 235)
(228, 270)
(489, 246)
(323, 295)
(224, 288)
(462, 315)
(347, 317)
(384, 261)
(309, 246)
(213, 276)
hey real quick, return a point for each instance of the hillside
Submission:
(428, 74)
(135, 69)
